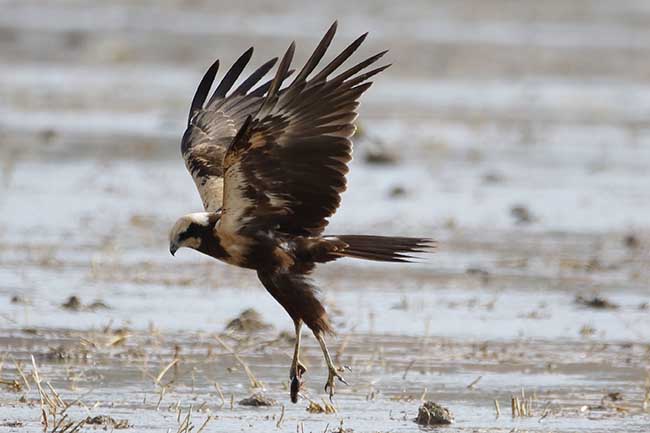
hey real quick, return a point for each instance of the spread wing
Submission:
(211, 127)
(286, 167)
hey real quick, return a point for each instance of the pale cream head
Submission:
(186, 232)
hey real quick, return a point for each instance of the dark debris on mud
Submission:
(59, 353)
(522, 214)
(19, 300)
(377, 153)
(257, 400)
(248, 321)
(397, 191)
(631, 241)
(73, 303)
(431, 413)
(107, 422)
(596, 302)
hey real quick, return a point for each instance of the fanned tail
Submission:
(383, 248)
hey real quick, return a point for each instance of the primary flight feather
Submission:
(269, 161)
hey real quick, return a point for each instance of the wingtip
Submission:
(213, 68)
(203, 89)
(427, 245)
(332, 30)
(290, 52)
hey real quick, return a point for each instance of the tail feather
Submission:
(384, 248)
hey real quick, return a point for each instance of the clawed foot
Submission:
(296, 380)
(333, 374)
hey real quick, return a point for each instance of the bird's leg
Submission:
(297, 369)
(333, 371)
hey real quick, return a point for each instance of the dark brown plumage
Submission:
(270, 165)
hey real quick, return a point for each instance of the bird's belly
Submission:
(254, 253)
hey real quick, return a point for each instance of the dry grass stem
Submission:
(408, 368)
(474, 382)
(279, 423)
(315, 407)
(165, 370)
(161, 396)
(221, 396)
(20, 372)
(521, 406)
(205, 423)
(341, 349)
(251, 377)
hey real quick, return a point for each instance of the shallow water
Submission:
(489, 106)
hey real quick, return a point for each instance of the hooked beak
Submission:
(173, 248)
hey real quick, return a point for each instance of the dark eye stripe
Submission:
(193, 231)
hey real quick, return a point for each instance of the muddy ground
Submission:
(514, 133)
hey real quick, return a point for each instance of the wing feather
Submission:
(212, 126)
(231, 76)
(285, 169)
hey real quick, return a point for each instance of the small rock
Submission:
(257, 400)
(97, 305)
(478, 272)
(376, 153)
(493, 177)
(397, 191)
(521, 214)
(614, 396)
(248, 321)
(73, 303)
(631, 241)
(47, 135)
(431, 413)
(18, 299)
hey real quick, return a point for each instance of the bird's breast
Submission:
(237, 248)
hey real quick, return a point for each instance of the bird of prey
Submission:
(269, 161)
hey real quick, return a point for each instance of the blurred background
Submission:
(516, 133)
